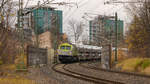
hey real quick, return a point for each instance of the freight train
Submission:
(69, 52)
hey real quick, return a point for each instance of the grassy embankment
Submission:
(141, 65)
(9, 76)
(15, 81)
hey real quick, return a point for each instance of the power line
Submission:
(110, 2)
(27, 3)
(73, 11)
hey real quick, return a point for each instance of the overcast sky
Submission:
(86, 6)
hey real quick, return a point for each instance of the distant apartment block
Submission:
(42, 19)
(108, 25)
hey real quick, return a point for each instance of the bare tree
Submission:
(7, 35)
(76, 28)
(2, 3)
(85, 39)
(139, 31)
(7, 13)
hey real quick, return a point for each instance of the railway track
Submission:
(114, 71)
(62, 69)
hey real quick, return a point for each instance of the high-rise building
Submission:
(42, 19)
(104, 26)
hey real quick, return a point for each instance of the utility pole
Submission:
(116, 40)
(21, 34)
(36, 27)
(56, 41)
(116, 24)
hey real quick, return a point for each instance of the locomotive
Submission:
(69, 52)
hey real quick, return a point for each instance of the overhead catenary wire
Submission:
(13, 21)
(27, 3)
(73, 11)
(123, 2)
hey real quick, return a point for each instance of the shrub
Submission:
(1, 62)
(145, 63)
(121, 56)
(146, 70)
(18, 66)
(130, 64)
(24, 67)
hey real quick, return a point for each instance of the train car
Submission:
(70, 53)
(89, 52)
(67, 53)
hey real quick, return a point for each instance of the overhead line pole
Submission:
(116, 25)
(116, 40)
(21, 34)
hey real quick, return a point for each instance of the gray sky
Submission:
(87, 6)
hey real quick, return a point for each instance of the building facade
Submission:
(42, 19)
(104, 26)
(47, 18)
(45, 40)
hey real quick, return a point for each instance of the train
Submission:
(68, 52)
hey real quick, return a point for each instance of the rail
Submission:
(83, 76)
(115, 71)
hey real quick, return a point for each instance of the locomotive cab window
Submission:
(62, 47)
(68, 47)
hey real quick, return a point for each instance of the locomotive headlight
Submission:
(70, 53)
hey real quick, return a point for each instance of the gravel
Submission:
(40, 77)
(45, 75)
(61, 79)
(109, 75)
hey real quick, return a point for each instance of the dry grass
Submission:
(19, 59)
(121, 55)
(13, 77)
(146, 71)
(16, 81)
(8, 67)
(141, 65)
(130, 64)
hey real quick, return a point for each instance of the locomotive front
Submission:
(66, 53)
